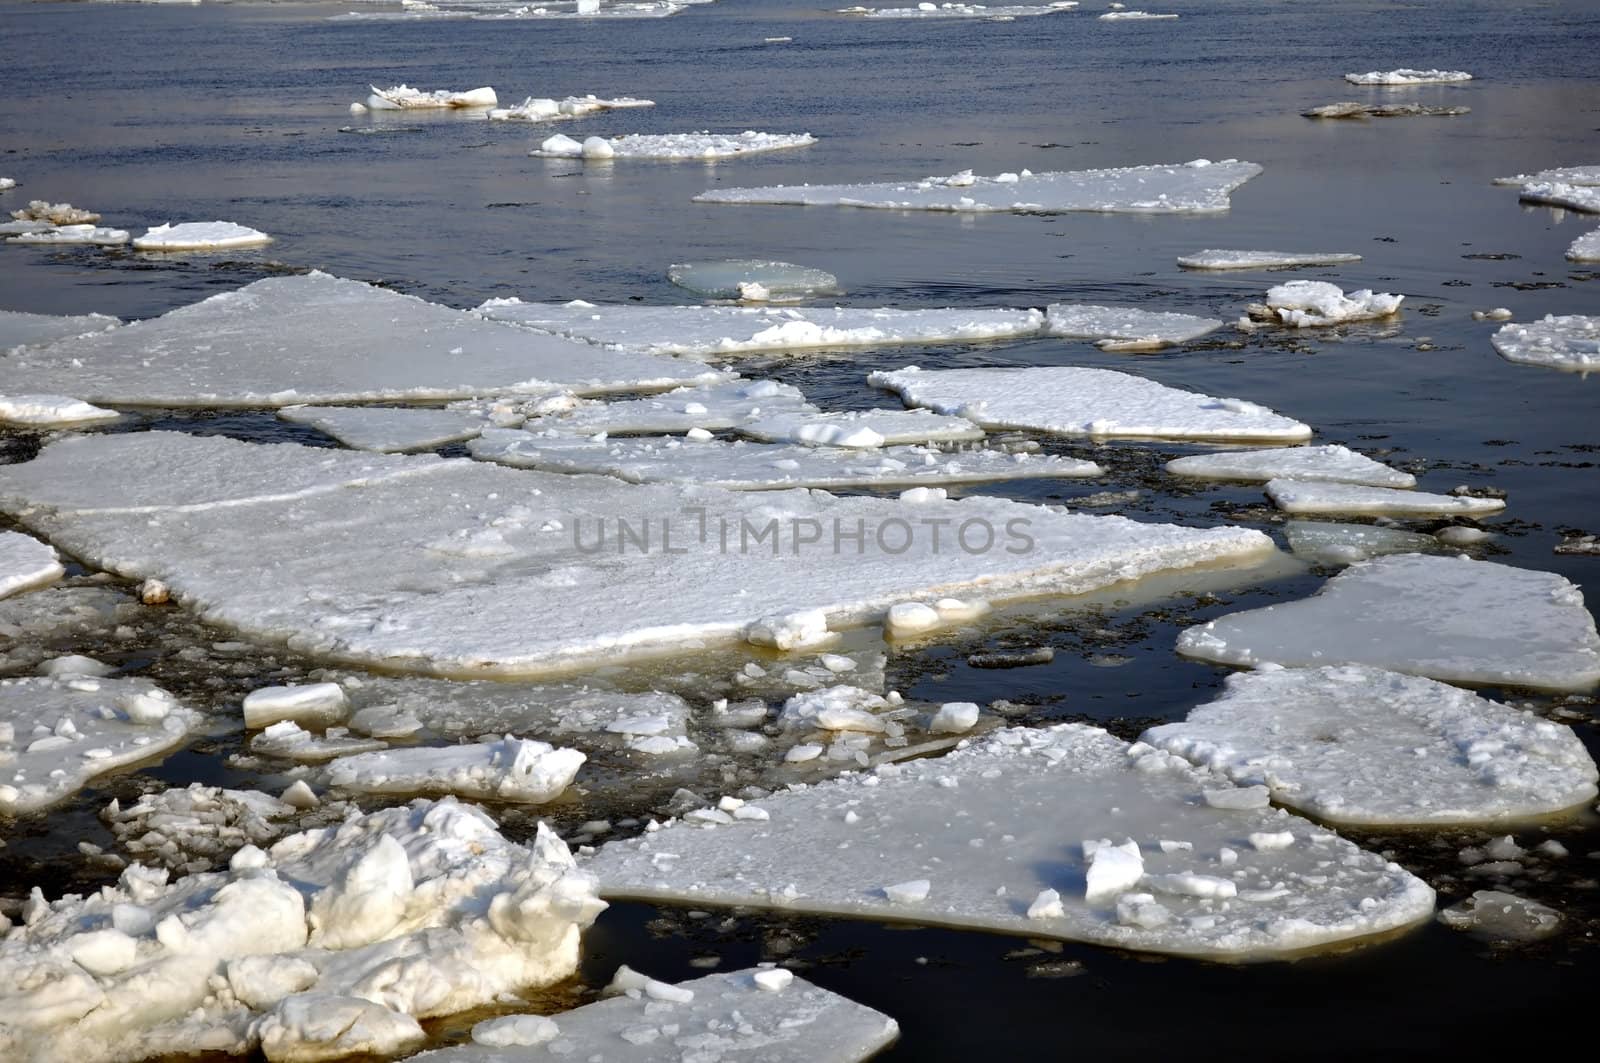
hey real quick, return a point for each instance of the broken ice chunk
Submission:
(1571, 343)
(50, 411)
(1585, 248)
(1585, 198)
(406, 98)
(728, 279)
(1327, 543)
(539, 109)
(1322, 463)
(1571, 175)
(995, 13)
(1134, 16)
(1311, 496)
(1305, 304)
(1498, 916)
(913, 892)
(311, 703)
(1407, 76)
(954, 717)
(92, 235)
(55, 213)
(701, 145)
(1123, 328)
(200, 236)
(1221, 259)
(386, 430)
(512, 769)
(714, 406)
(26, 564)
(1112, 869)
(289, 740)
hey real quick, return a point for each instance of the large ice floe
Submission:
(752, 279)
(1585, 248)
(1098, 403)
(759, 1015)
(741, 466)
(89, 235)
(18, 329)
(1305, 304)
(58, 733)
(1585, 198)
(1447, 618)
(706, 331)
(937, 11)
(1125, 328)
(26, 564)
(1322, 496)
(200, 236)
(1059, 832)
(406, 98)
(1407, 76)
(316, 338)
(1330, 462)
(388, 430)
(543, 109)
(1223, 259)
(861, 428)
(419, 564)
(701, 145)
(334, 942)
(1198, 187)
(1571, 342)
(711, 407)
(1364, 746)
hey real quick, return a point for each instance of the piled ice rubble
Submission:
(1312, 496)
(42, 210)
(1159, 868)
(701, 145)
(1447, 618)
(198, 827)
(752, 280)
(860, 428)
(539, 109)
(1571, 343)
(1585, 248)
(1098, 403)
(1125, 328)
(1330, 462)
(406, 98)
(18, 329)
(334, 942)
(388, 430)
(1584, 198)
(200, 236)
(1407, 76)
(1304, 304)
(1197, 187)
(1358, 745)
(91, 235)
(26, 564)
(1220, 259)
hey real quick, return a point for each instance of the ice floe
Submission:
(1025, 798)
(92, 235)
(1133, 16)
(541, 109)
(948, 10)
(1198, 187)
(701, 145)
(315, 338)
(1571, 175)
(1494, 915)
(1363, 746)
(711, 407)
(1585, 198)
(1098, 403)
(423, 565)
(1220, 259)
(512, 769)
(332, 943)
(740, 466)
(1313, 496)
(1328, 543)
(307, 703)
(1585, 248)
(1125, 328)
(58, 733)
(1306, 304)
(26, 564)
(1447, 618)
(1353, 109)
(200, 236)
(287, 740)
(1330, 462)
(406, 98)
(50, 411)
(860, 428)
(7, 183)
(18, 329)
(42, 210)
(706, 331)
(1571, 342)
(759, 1015)
(388, 430)
(1407, 76)
(752, 279)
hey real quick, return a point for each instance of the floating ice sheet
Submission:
(741, 466)
(1328, 543)
(1571, 342)
(1584, 198)
(760, 1015)
(1585, 248)
(701, 145)
(1133, 16)
(57, 734)
(1304, 304)
(937, 11)
(1099, 403)
(18, 329)
(1408, 76)
(315, 338)
(706, 331)
(387, 430)
(861, 428)
(990, 835)
(1311, 496)
(26, 564)
(1220, 259)
(92, 235)
(1447, 618)
(539, 109)
(1362, 746)
(752, 279)
(712, 407)
(200, 236)
(50, 411)
(423, 565)
(1330, 462)
(1198, 187)
(1352, 109)
(511, 769)
(1125, 328)
(406, 98)
(1570, 175)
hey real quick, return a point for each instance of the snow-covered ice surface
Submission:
(1328, 543)
(57, 734)
(93, 235)
(748, 278)
(1330, 462)
(200, 236)
(742, 466)
(1124, 327)
(948, 10)
(1312, 496)
(1067, 810)
(1099, 403)
(26, 564)
(707, 331)
(420, 565)
(1133, 16)
(1570, 175)
(511, 769)
(315, 338)
(701, 145)
(1447, 618)
(18, 329)
(1222, 259)
(1584, 198)
(332, 943)
(1585, 248)
(1198, 187)
(1363, 746)
(1304, 304)
(1408, 76)
(50, 411)
(861, 428)
(759, 1015)
(406, 98)
(387, 430)
(1571, 342)
(712, 407)
(544, 109)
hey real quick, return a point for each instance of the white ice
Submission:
(50, 411)
(1408, 77)
(1353, 745)
(423, 565)
(1585, 248)
(1571, 343)
(743, 466)
(1330, 462)
(511, 769)
(1125, 328)
(1198, 187)
(387, 430)
(949, 10)
(7, 183)
(200, 236)
(1585, 198)
(861, 428)
(1098, 403)
(1304, 304)
(743, 278)
(541, 109)
(993, 825)
(707, 331)
(320, 703)
(759, 1015)
(18, 329)
(712, 407)
(1447, 618)
(406, 98)
(334, 942)
(57, 734)
(316, 338)
(1132, 16)
(701, 145)
(287, 740)
(1219, 259)
(1497, 916)
(1571, 175)
(26, 564)
(198, 827)
(1327, 543)
(93, 235)
(55, 213)
(1312, 496)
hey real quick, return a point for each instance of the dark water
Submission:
(150, 114)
